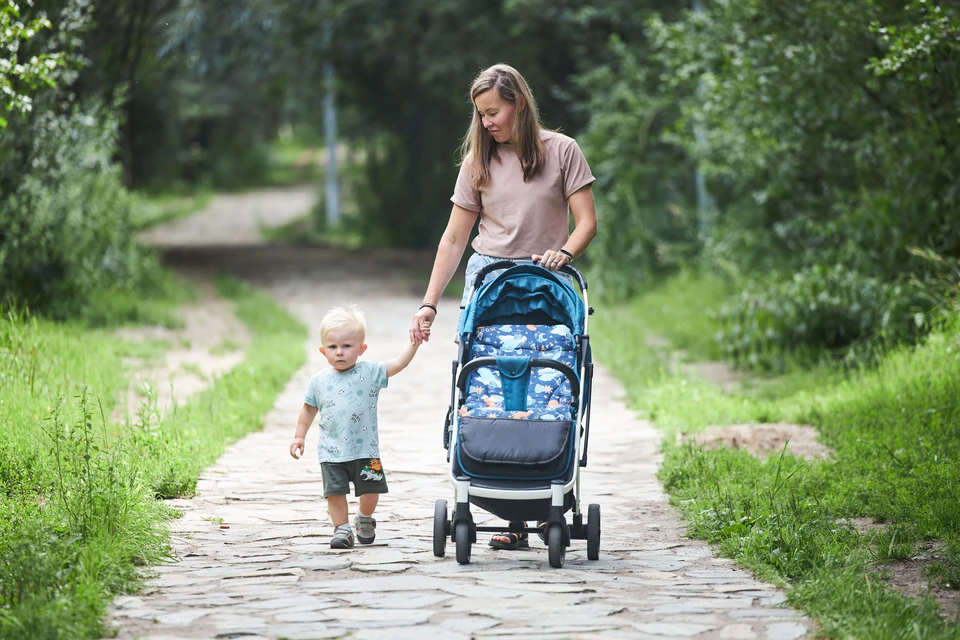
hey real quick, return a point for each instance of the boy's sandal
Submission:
(517, 541)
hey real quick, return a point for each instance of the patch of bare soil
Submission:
(719, 374)
(763, 440)
(909, 577)
(212, 341)
(865, 525)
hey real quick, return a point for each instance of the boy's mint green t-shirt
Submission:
(348, 411)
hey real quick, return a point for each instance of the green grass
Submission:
(151, 209)
(292, 162)
(78, 491)
(896, 432)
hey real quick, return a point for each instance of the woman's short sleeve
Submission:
(576, 171)
(464, 193)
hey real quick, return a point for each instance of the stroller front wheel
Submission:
(463, 542)
(556, 549)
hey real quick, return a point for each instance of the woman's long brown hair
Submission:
(480, 147)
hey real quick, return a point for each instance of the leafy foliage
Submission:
(21, 73)
(818, 309)
(826, 134)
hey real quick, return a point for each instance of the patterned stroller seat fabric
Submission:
(548, 396)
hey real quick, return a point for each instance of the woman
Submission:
(520, 179)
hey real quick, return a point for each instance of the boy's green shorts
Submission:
(366, 474)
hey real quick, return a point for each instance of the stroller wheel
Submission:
(440, 528)
(593, 532)
(463, 542)
(556, 549)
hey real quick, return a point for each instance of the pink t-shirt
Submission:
(517, 218)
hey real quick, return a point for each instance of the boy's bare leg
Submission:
(368, 503)
(337, 506)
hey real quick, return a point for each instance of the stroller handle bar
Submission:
(475, 364)
(506, 264)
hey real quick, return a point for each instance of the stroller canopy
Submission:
(521, 291)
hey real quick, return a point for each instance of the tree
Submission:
(21, 71)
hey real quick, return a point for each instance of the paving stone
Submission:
(312, 631)
(321, 564)
(469, 624)
(298, 602)
(395, 600)
(384, 618)
(182, 618)
(737, 632)
(545, 630)
(380, 568)
(786, 630)
(673, 629)
(756, 613)
(302, 616)
(419, 632)
(128, 602)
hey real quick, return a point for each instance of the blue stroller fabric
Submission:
(525, 290)
(492, 391)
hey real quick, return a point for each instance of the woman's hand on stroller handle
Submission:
(551, 260)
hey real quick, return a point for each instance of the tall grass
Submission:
(78, 491)
(896, 431)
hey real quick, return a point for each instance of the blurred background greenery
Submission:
(806, 152)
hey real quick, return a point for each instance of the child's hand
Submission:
(425, 329)
(296, 448)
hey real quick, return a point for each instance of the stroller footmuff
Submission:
(518, 424)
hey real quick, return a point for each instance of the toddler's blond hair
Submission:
(347, 316)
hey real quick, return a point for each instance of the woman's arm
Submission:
(449, 253)
(585, 229)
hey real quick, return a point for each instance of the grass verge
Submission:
(151, 210)
(896, 432)
(78, 492)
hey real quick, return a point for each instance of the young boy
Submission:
(346, 397)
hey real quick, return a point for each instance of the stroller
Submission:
(519, 411)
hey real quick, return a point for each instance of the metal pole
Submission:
(704, 201)
(330, 132)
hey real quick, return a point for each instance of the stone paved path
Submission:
(265, 570)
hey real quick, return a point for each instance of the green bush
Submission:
(64, 227)
(820, 309)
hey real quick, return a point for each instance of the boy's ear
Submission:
(363, 348)
(322, 351)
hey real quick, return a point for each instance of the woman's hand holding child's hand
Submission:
(420, 326)
(296, 448)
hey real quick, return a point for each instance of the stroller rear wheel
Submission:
(463, 542)
(556, 548)
(441, 528)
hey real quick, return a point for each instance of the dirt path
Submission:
(210, 343)
(271, 574)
